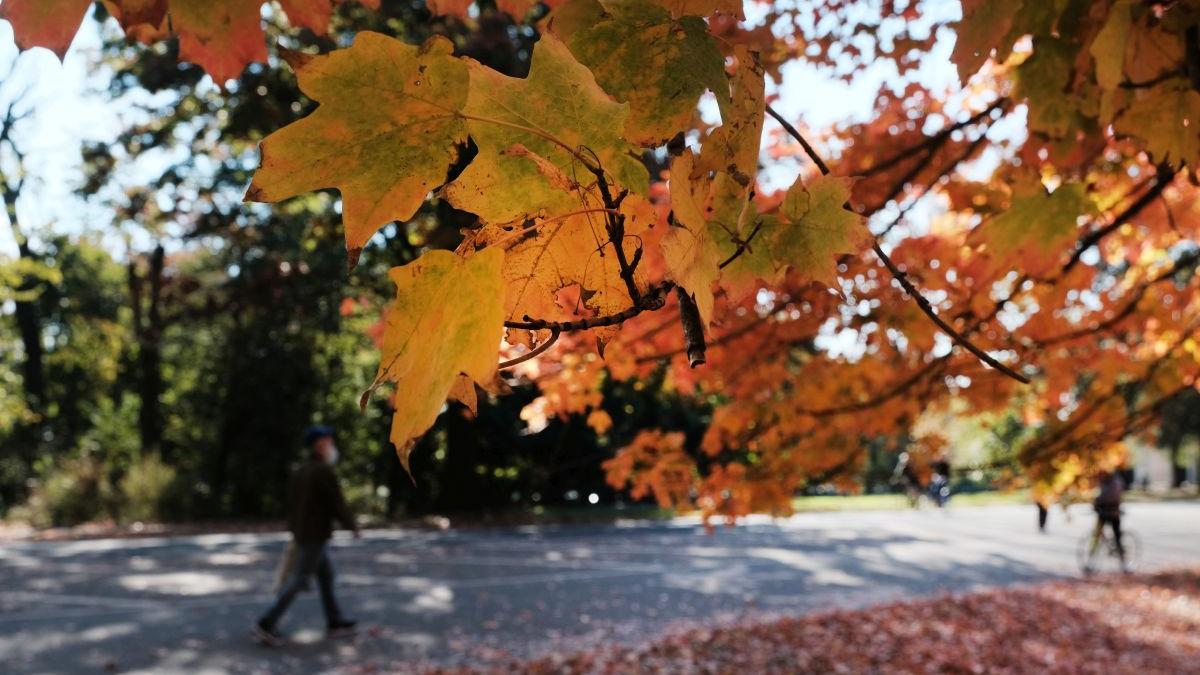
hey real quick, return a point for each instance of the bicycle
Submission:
(1097, 551)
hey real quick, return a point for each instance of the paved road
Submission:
(184, 604)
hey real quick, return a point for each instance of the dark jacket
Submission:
(316, 501)
(1109, 499)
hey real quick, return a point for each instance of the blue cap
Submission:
(315, 432)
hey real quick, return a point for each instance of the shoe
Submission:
(341, 627)
(267, 636)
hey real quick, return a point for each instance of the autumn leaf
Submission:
(1167, 118)
(384, 157)
(1108, 49)
(600, 421)
(314, 14)
(984, 25)
(221, 36)
(731, 8)
(446, 322)
(689, 250)
(45, 23)
(733, 147)
(533, 187)
(134, 12)
(554, 253)
(1035, 227)
(557, 112)
(677, 58)
(457, 8)
(815, 227)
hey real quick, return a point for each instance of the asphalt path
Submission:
(185, 604)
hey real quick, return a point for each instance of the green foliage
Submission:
(69, 492)
(146, 490)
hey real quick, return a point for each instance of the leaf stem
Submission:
(533, 353)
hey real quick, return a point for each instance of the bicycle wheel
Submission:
(1133, 550)
(1089, 557)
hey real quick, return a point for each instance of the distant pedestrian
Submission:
(1043, 514)
(905, 476)
(315, 503)
(939, 484)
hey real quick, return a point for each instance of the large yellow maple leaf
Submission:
(385, 157)
(445, 324)
(676, 59)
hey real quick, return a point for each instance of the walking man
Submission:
(315, 503)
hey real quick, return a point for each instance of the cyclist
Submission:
(939, 484)
(1108, 512)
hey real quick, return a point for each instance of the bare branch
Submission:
(1162, 179)
(909, 288)
(655, 299)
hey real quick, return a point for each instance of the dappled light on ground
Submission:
(491, 597)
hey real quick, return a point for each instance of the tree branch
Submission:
(932, 143)
(1162, 179)
(912, 291)
(693, 327)
(653, 300)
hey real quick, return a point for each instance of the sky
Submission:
(63, 117)
(71, 107)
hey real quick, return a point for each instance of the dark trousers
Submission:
(1113, 520)
(311, 558)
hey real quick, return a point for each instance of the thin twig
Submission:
(901, 277)
(616, 232)
(1162, 179)
(933, 142)
(533, 353)
(742, 246)
(808, 149)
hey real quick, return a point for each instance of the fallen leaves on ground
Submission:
(1141, 624)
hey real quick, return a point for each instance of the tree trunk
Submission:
(148, 329)
(33, 370)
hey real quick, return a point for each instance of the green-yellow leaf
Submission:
(814, 228)
(1167, 118)
(515, 184)
(385, 133)
(1108, 49)
(732, 8)
(734, 146)
(1035, 229)
(446, 323)
(1043, 79)
(691, 255)
(675, 60)
(555, 112)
